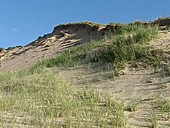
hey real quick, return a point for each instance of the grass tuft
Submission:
(163, 105)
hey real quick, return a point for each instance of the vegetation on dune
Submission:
(43, 100)
(38, 98)
(127, 43)
(163, 105)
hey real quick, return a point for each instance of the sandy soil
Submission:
(140, 85)
(137, 84)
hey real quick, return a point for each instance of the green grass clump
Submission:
(154, 120)
(126, 47)
(127, 43)
(163, 105)
(134, 105)
(41, 99)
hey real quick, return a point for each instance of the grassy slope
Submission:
(43, 100)
(38, 98)
(126, 44)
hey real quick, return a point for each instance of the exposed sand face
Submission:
(61, 38)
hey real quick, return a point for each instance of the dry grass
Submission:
(43, 100)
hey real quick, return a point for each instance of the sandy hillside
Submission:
(62, 37)
(140, 86)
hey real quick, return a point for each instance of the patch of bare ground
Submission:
(138, 87)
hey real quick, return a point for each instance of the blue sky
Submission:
(22, 21)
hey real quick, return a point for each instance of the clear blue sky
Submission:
(22, 21)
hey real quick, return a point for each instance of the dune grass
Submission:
(44, 100)
(163, 105)
(127, 43)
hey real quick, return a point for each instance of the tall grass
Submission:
(127, 43)
(44, 100)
